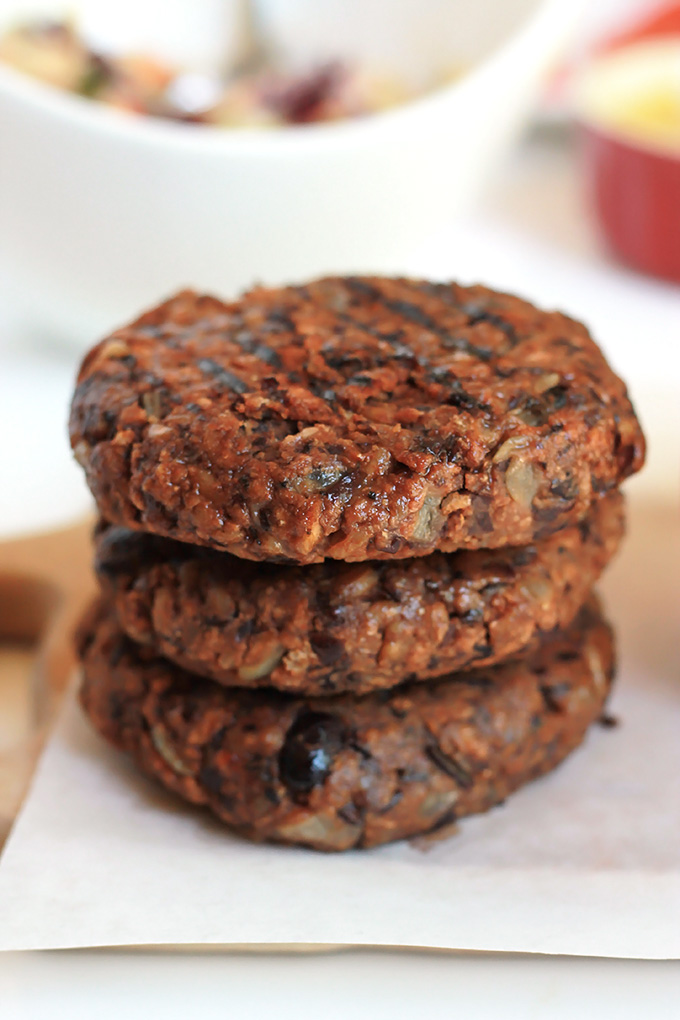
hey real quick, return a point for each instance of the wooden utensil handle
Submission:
(45, 584)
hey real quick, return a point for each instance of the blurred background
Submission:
(530, 144)
(533, 145)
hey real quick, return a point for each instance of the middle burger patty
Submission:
(332, 627)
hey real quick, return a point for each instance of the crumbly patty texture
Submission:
(332, 627)
(343, 772)
(352, 419)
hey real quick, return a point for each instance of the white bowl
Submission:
(102, 213)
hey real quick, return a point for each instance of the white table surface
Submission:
(359, 985)
(531, 234)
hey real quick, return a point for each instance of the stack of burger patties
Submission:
(347, 542)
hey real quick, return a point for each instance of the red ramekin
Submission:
(634, 183)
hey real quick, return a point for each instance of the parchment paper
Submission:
(586, 861)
